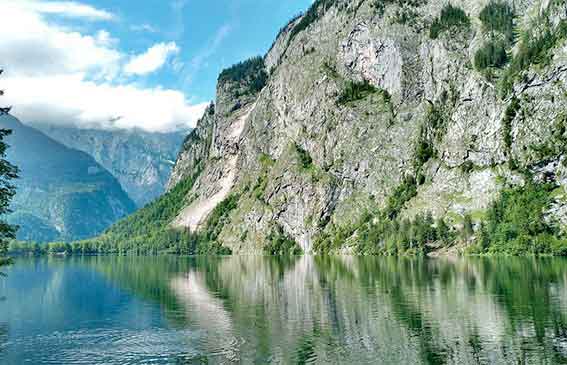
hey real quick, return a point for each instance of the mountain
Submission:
(381, 127)
(141, 161)
(62, 193)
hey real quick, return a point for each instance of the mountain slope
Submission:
(390, 127)
(62, 194)
(141, 161)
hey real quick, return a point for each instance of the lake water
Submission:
(257, 310)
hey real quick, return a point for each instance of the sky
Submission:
(150, 64)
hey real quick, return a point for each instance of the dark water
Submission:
(109, 310)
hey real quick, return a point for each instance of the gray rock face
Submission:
(305, 160)
(368, 57)
(195, 149)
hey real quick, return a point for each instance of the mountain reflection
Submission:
(249, 309)
(368, 310)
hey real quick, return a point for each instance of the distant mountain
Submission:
(141, 161)
(62, 193)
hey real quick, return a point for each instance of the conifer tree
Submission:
(8, 172)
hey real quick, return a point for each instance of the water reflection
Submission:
(311, 309)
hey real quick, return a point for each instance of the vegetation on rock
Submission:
(278, 243)
(534, 48)
(498, 17)
(492, 54)
(498, 23)
(516, 224)
(355, 90)
(250, 73)
(451, 17)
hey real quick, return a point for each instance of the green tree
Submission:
(468, 227)
(8, 172)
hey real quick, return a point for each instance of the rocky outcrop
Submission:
(195, 149)
(314, 151)
(219, 176)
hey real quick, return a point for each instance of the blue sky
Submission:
(151, 64)
(211, 35)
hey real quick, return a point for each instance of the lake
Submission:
(300, 310)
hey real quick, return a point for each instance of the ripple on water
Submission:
(109, 346)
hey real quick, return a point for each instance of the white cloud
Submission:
(153, 59)
(64, 8)
(31, 46)
(57, 99)
(58, 75)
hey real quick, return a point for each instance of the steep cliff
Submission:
(386, 127)
(403, 107)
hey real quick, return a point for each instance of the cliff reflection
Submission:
(363, 310)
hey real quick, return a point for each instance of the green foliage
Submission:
(509, 116)
(355, 90)
(218, 218)
(305, 159)
(405, 5)
(250, 73)
(492, 54)
(281, 244)
(147, 231)
(498, 21)
(406, 15)
(403, 193)
(555, 146)
(516, 224)
(534, 48)
(468, 228)
(451, 17)
(330, 69)
(431, 131)
(8, 173)
(467, 167)
(259, 188)
(498, 17)
(424, 151)
(403, 237)
(157, 214)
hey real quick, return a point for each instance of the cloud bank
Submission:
(60, 75)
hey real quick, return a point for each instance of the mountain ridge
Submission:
(141, 161)
(62, 193)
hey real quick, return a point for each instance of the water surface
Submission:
(340, 310)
